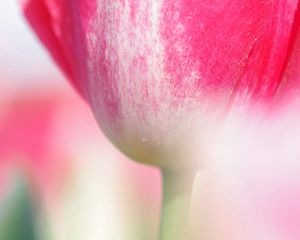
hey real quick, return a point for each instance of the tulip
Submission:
(162, 76)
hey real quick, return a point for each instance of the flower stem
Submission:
(177, 191)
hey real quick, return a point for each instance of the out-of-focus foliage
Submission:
(17, 214)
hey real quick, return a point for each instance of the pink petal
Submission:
(57, 24)
(239, 49)
(224, 49)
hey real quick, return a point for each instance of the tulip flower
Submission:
(162, 76)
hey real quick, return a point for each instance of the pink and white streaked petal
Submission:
(162, 75)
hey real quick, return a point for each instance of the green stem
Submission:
(177, 191)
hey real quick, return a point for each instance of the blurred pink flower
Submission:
(40, 132)
(50, 138)
(26, 128)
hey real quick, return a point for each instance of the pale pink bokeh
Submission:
(250, 188)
